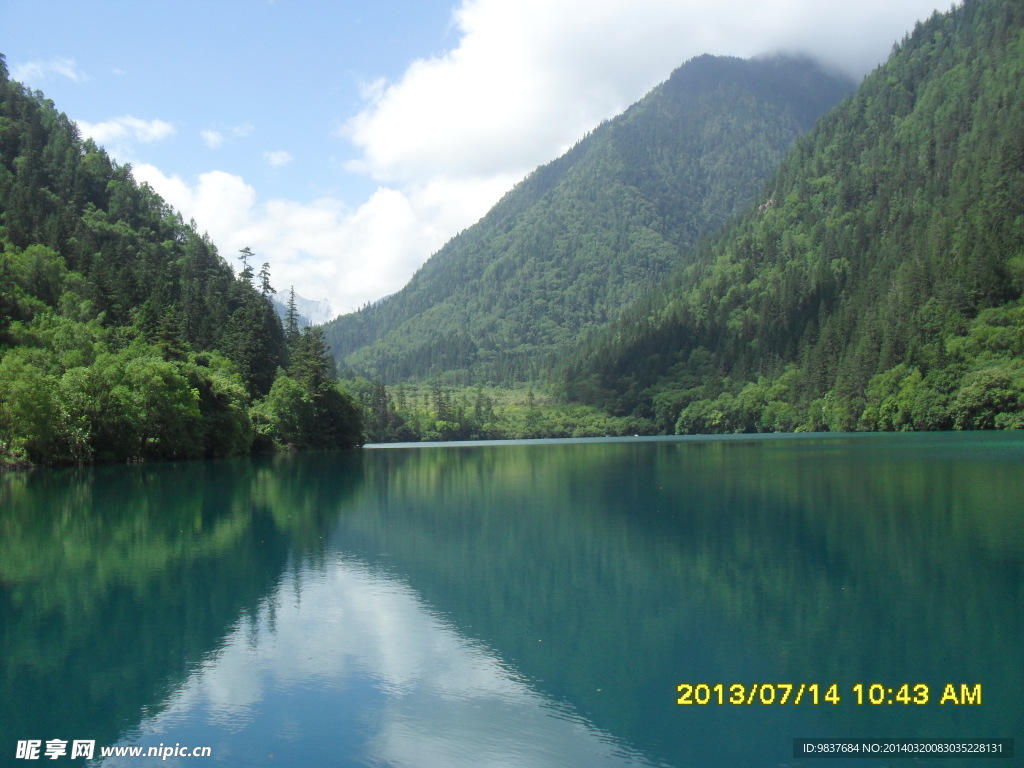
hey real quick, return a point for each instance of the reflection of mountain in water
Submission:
(467, 598)
(608, 573)
(116, 581)
(344, 666)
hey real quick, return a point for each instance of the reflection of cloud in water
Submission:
(349, 647)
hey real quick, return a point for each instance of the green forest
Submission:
(432, 411)
(581, 238)
(876, 284)
(124, 335)
(755, 246)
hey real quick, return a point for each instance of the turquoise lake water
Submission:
(533, 603)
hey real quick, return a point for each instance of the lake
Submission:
(532, 603)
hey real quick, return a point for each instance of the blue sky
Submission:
(268, 77)
(345, 142)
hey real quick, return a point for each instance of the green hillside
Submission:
(124, 335)
(876, 284)
(581, 238)
(719, 258)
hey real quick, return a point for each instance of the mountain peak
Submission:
(583, 236)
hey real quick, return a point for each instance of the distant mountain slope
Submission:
(876, 284)
(309, 311)
(582, 237)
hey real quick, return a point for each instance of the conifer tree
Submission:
(246, 273)
(291, 323)
(265, 287)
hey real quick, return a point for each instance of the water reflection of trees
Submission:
(602, 573)
(115, 582)
(607, 573)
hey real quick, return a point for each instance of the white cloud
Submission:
(38, 71)
(529, 77)
(278, 157)
(326, 249)
(523, 82)
(437, 694)
(120, 134)
(212, 139)
(126, 129)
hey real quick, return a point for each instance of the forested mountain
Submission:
(123, 333)
(876, 284)
(581, 238)
(868, 276)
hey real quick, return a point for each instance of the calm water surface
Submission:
(523, 604)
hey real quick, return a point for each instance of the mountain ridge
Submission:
(876, 284)
(528, 280)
